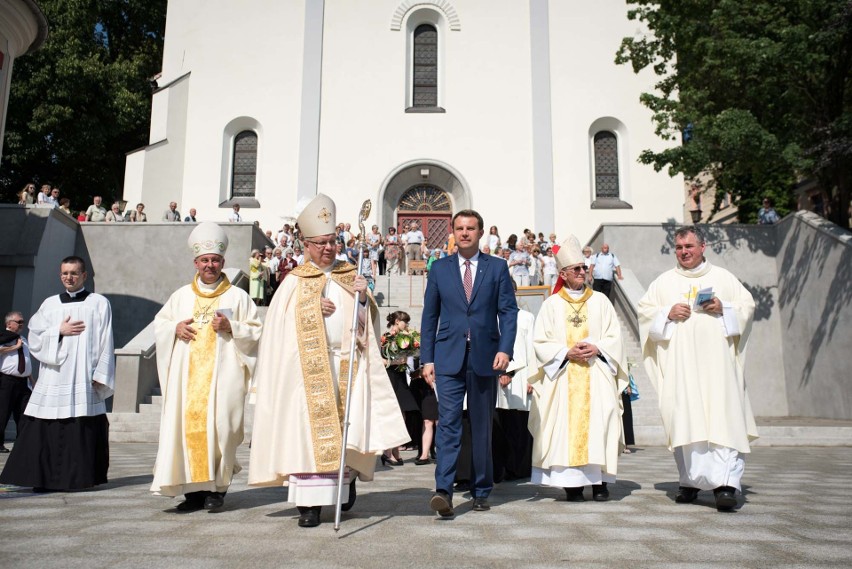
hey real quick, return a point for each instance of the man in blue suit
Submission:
(464, 348)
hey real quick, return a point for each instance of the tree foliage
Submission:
(81, 101)
(760, 91)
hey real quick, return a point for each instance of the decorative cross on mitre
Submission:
(319, 217)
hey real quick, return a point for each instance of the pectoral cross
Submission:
(577, 321)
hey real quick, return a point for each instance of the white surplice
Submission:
(77, 373)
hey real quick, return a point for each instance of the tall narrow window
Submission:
(425, 83)
(244, 177)
(606, 165)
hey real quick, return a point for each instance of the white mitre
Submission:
(570, 253)
(319, 217)
(206, 239)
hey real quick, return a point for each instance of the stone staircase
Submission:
(647, 424)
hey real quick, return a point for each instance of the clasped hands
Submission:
(184, 330)
(582, 352)
(681, 311)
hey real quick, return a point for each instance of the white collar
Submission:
(697, 269)
(473, 260)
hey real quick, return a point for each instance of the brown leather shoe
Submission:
(442, 504)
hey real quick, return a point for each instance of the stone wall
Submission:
(815, 303)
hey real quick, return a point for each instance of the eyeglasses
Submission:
(17, 321)
(575, 270)
(322, 244)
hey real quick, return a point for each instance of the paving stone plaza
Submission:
(796, 513)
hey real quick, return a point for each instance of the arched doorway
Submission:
(443, 191)
(430, 207)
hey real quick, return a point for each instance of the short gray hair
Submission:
(11, 316)
(684, 231)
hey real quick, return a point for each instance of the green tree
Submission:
(759, 90)
(79, 103)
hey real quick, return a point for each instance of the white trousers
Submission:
(707, 466)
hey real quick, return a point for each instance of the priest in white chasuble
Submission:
(303, 365)
(694, 325)
(575, 418)
(207, 335)
(63, 443)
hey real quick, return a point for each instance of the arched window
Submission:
(244, 173)
(425, 67)
(606, 166)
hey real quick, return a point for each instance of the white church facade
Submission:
(512, 107)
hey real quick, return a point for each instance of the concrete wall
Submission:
(33, 241)
(815, 302)
(139, 265)
(136, 265)
(748, 251)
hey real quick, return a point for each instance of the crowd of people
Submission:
(507, 394)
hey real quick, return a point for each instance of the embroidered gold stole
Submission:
(202, 361)
(325, 412)
(579, 377)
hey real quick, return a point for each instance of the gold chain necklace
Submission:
(202, 314)
(578, 318)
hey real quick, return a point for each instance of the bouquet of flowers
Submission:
(401, 345)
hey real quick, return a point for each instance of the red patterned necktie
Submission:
(468, 280)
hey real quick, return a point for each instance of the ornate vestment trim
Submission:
(579, 381)
(202, 361)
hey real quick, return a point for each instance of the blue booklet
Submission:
(703, 296)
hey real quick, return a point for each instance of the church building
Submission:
(512, 107)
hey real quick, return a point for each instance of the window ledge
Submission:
(610, 203)
(250, 203)
(425, 110)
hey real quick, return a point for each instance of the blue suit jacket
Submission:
(447, 316)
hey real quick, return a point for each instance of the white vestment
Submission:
(696, 367)
(202, 420)
(575, 419)
(77, 373)
(525, 365)
(302, 370)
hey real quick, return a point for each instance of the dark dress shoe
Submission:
(481, 505)
(726, 498)
(442, 504)
(4, 450)
(422, 461)
(309, 517)
(574, 494)
(190, 505)
(686, 495)
(599, 492)
(352, 495)
(214, 501)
